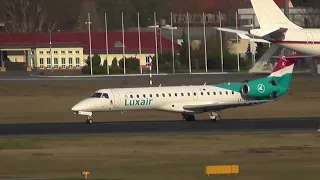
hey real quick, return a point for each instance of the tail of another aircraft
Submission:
(269, 15)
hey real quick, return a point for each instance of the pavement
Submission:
(174, 127)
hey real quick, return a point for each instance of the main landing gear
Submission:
(89, 120)
(188, 117)
(215, 117)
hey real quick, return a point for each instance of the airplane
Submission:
(276, 28)
(191, 100)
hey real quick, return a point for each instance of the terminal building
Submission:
(70, 50)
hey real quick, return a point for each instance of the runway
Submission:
(180, 127)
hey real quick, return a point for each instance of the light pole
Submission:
(89, 28)
(51, 62)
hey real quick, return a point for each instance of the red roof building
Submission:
(98, 41)
(69, 50)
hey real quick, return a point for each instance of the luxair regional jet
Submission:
(276, 28)
(190, 100)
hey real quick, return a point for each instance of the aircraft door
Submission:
(310, 37)
(116, 98)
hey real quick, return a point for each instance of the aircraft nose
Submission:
(81, 106)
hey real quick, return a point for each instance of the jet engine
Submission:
(260, 89)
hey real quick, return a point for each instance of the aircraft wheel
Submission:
(216, 118)
(190, 117)
(89, 120)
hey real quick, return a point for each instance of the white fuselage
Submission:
(306, 41)
(171, 98)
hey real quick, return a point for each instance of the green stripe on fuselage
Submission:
(283, 82)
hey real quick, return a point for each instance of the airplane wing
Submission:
(221, 106)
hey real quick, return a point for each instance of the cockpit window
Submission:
(105, 95)
(96, 95)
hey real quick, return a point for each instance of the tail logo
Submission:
(261, 88)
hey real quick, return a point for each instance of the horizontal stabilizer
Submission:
(244, 35)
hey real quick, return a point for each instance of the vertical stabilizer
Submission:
(282, 72)
(269, 15)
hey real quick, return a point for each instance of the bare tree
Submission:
(26, 16)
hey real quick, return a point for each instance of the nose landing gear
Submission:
(89, 120)
(215, 117)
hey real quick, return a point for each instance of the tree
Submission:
(26, 16)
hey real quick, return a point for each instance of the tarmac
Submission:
(174, 127)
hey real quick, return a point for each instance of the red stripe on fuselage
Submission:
(295, 42)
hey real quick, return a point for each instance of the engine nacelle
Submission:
(259, 90)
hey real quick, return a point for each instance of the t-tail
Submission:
(269, 15)
(282, 72)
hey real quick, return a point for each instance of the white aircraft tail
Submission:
(269, 15)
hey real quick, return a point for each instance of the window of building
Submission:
(32, 52)
(41, 63)
(48, 52)
(48, 62)
(69, 52)
(63, 63)
(41, 52)
(77, 52)
(63, 52)
(70, 63)
(77, 63)
(55, 61)
(55, 52)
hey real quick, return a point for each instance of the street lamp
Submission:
(89, 28)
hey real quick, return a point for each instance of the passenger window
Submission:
(163, 95)
(151, 95)
(137, 95)
(96, 95)
(175, 94)
(157, 95)
(214, 93)
(144, 95)
(181, 94)
(169, 94)
(232, 92)
(105, 95)
(208, 93)
(201, 93)
(131, 96)
(194, 94)
(226, 92)
(188, 94)
(220, 93)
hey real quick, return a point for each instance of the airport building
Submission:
(69, 50)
